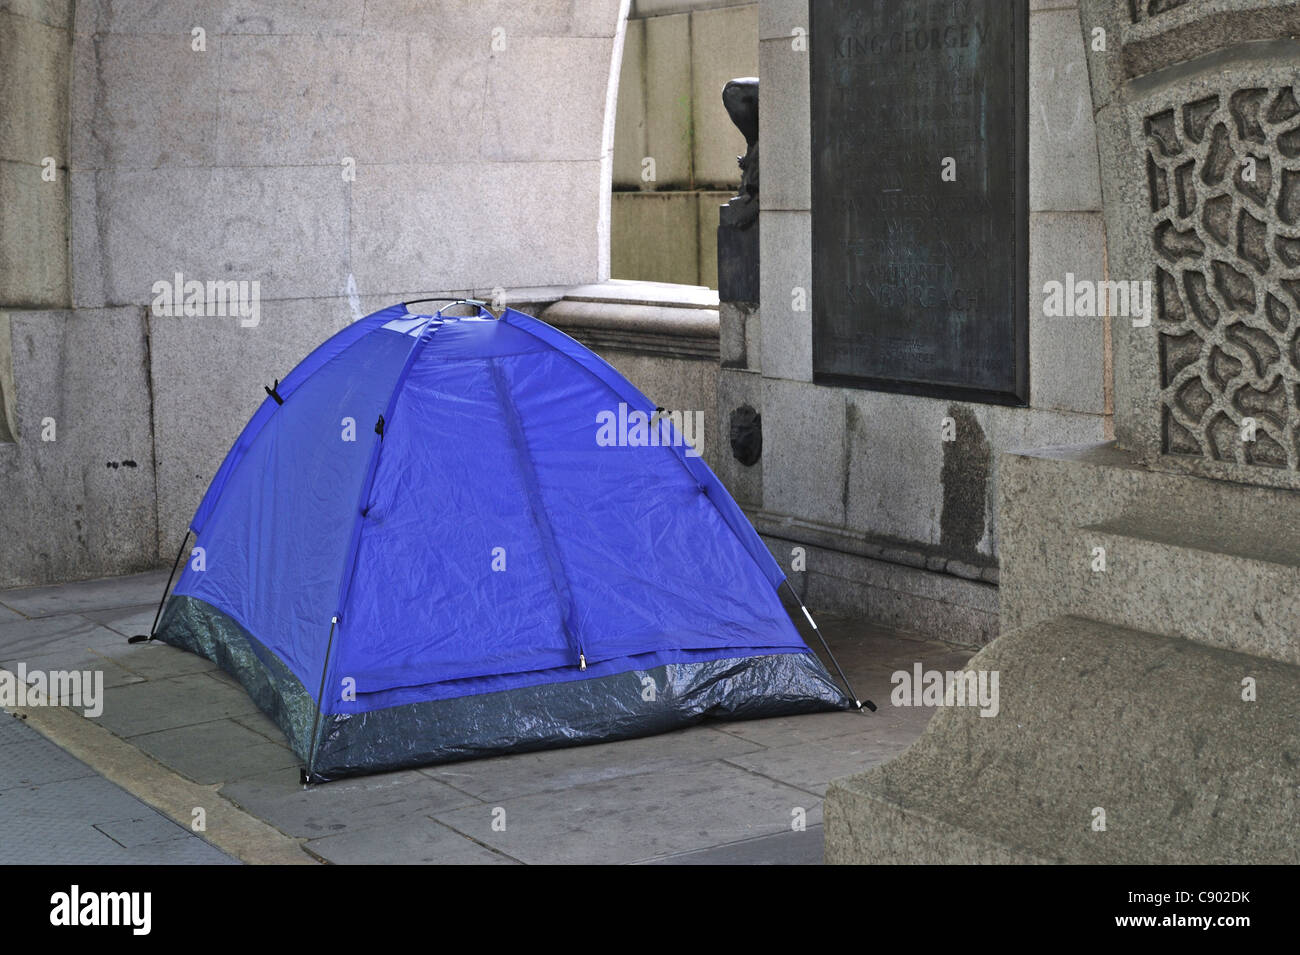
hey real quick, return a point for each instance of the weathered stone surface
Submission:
(1063, 167)
(1173, 34)
(145, 225)
(88, 598)
(1081, 726)
(785, 107)
(777, 19)
(524, 83)
(731, 327)
(177, 701)
(34, 61)
(630, 115)
(33, 237)
(785, 250)
(213, 370)
(476, 21)
(888, 589)
(668, 100)
(449, 225)
(53, 13)
(1069, 352)
(678, 385)
(81, 505)
(147, 101)
(1185, 556)
(1018, 428)
(220, 17)
(33, 90)
(895, 459)
(724, 45)
(654, 236)
(803, 449)
(431, 108)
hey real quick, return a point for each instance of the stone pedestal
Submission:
(1120, 690)
(1149, 660)
(737, 263)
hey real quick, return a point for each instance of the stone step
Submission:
(1150, 729)
(1186, 556)
(1226, 583)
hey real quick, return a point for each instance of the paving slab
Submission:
(262, 725)
(140, 830)
(28, 759)
(166, 704)
(636, 817)
(790, 730)
(54, 809)
(811, 766)
(419, 841)
(128, 621)
(216, 752)
(154, 660)
(66, 642)
(69, 634)
(103, 594)
(558, 769)
(345, 805)
(783, 848)
(12, 730)
(87, 660)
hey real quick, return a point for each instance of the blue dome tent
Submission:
(419, 551)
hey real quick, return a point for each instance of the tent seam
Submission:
(537, 506)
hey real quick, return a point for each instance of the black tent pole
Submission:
(320, 698)
(813, 623)
(144, 637)
(450, 301)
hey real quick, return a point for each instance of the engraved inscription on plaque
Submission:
(919, 211)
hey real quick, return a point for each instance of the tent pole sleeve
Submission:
(825, 646)
(537, 511)
(320, 697)
(367, 483)
(349, 566)
(142, 638)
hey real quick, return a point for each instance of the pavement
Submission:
(56, 810)
(178, 741)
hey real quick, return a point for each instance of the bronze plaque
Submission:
(919, 196)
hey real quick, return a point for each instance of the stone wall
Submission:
(676, 59)
(892, 520)
(342, 154)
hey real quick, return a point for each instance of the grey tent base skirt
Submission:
(637, 702)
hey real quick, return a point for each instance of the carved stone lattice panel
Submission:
(1223, 176)
(1147, 9)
